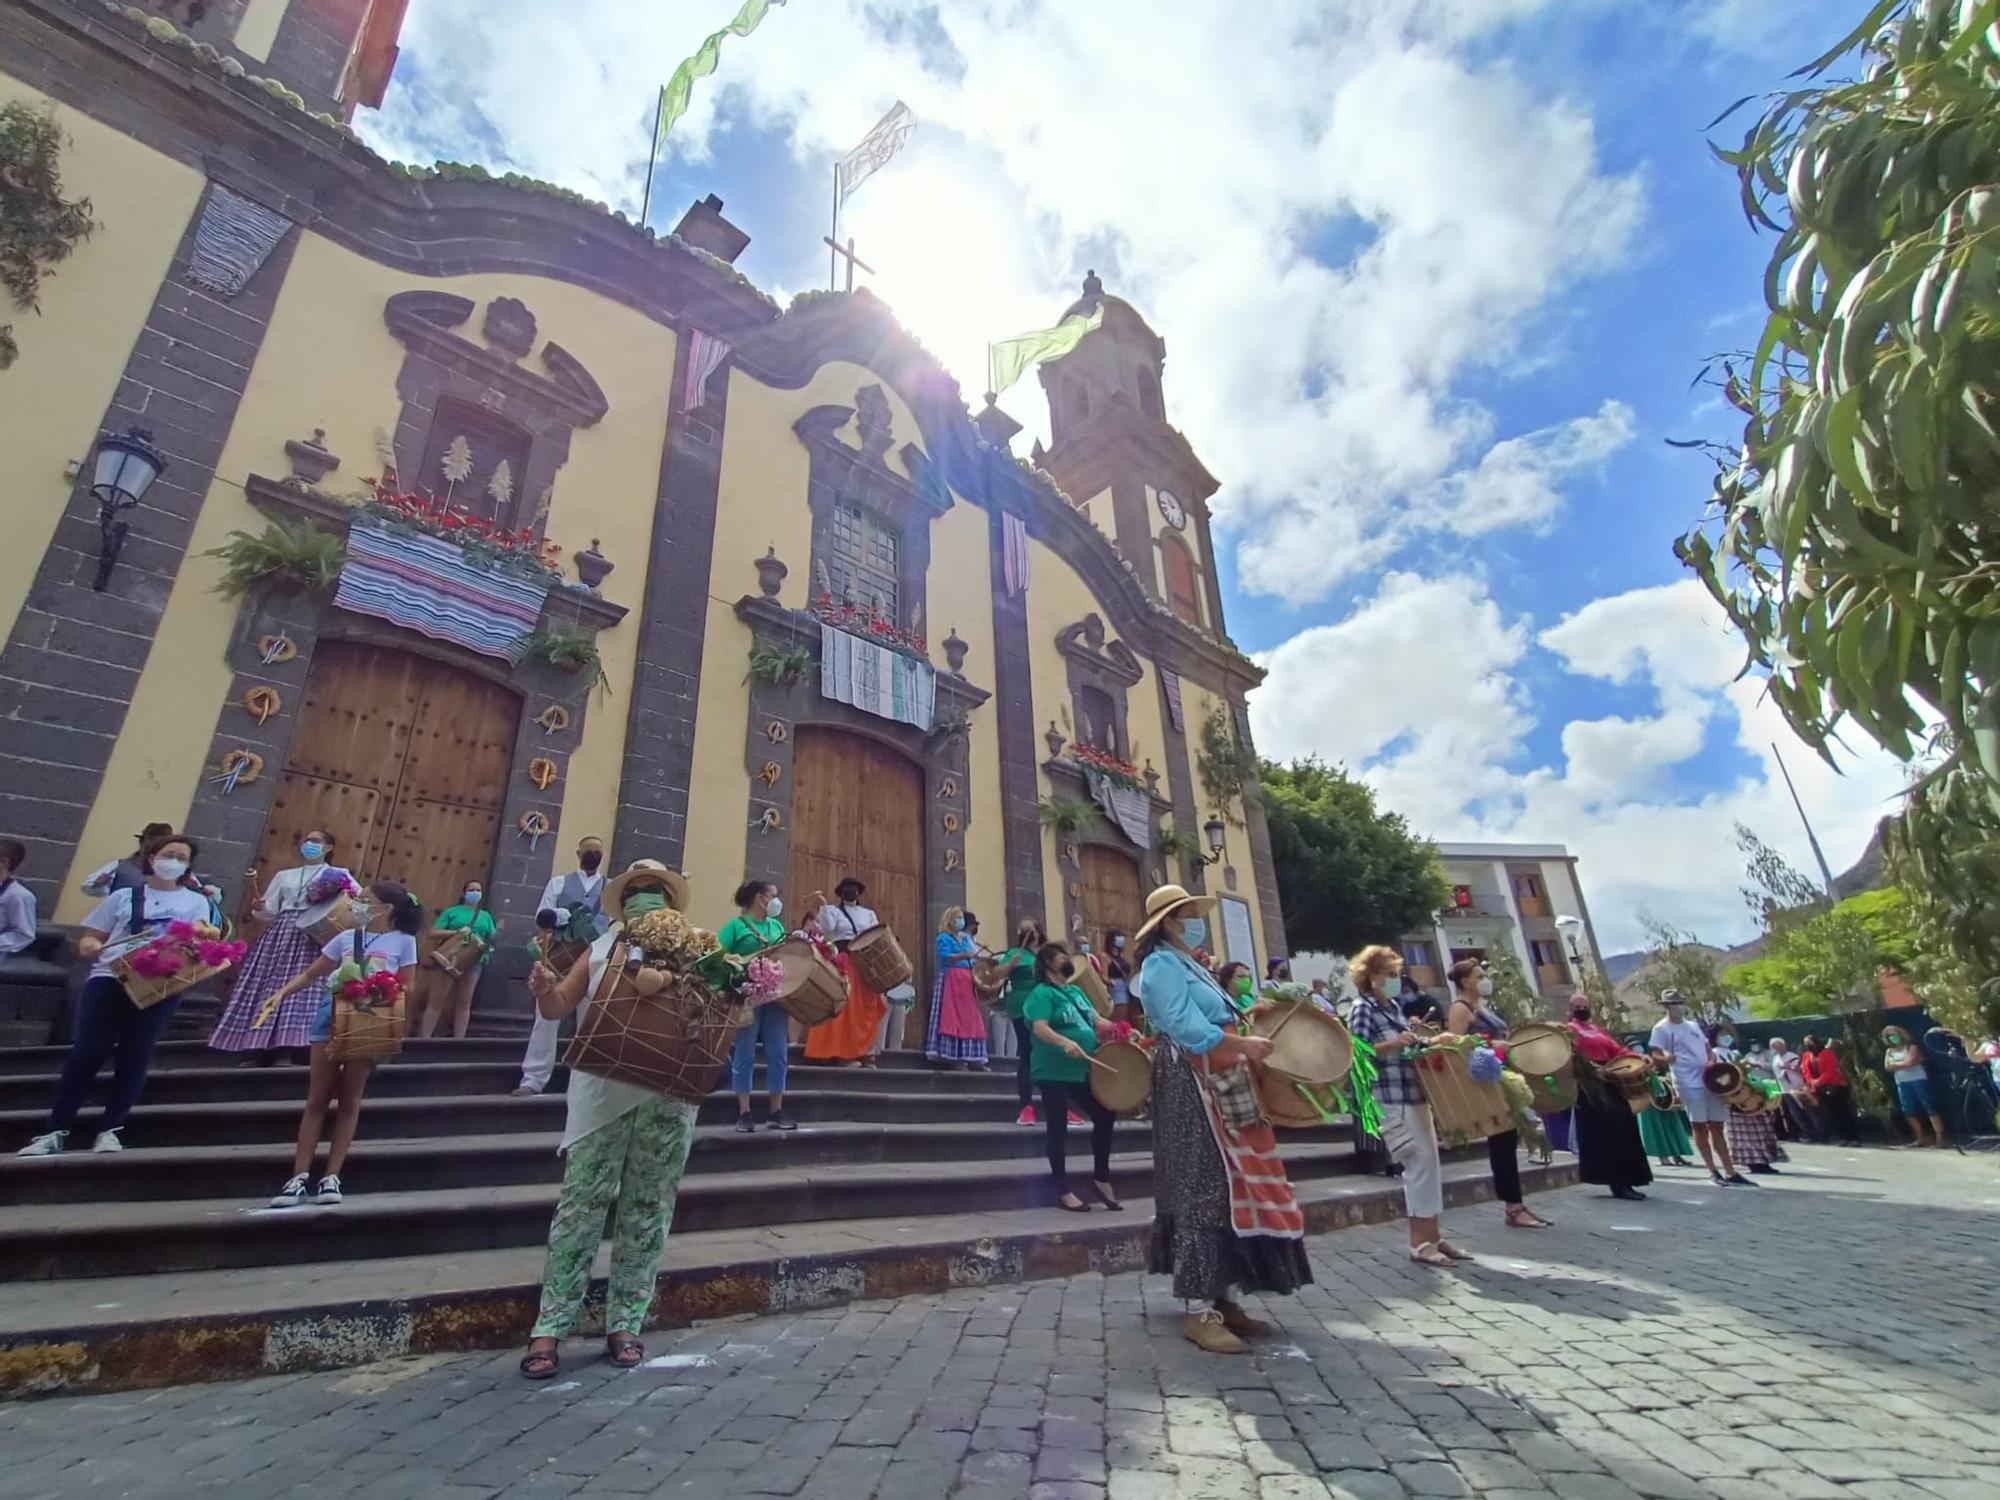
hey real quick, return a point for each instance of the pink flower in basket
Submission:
(214, 954)
(1121, 1031)
(330, 883)
(762, 977)
(354, 989)
(156, 960)
(181, 932)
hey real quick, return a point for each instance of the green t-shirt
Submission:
(1021, 983)
(478, 918)
(1069, 1014)
(746, 936)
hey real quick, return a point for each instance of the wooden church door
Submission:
(857, 809)
(404, 760)
(1111, 900)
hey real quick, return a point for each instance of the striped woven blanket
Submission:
(426, 585)
(876, 680)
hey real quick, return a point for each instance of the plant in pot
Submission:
(301, 559)
(1066, 815)
(781, 666)
(1176, 843)
(567, 651)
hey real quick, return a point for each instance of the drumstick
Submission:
(1283, 1021)
(1096, 1064)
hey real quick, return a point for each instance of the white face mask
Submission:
(358, 913)
(775, 907)
(170, 869)
(1485, 989)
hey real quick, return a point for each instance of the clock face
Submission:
(1172, 512)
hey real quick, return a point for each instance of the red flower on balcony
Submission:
(869, 625)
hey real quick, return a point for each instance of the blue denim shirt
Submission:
(1182, 1002)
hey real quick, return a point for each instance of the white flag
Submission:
(881, 143)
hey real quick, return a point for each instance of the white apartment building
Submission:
(1523, 898)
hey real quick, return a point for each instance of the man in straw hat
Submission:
(1224, 1217)
(622, 1145)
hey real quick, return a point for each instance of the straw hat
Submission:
(1167, 900)
(645, 872)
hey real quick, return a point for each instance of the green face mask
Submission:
(1243, 986)
(641, 902)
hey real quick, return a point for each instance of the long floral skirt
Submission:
(634, 1163)
(278, 956)
(1195, 1239)
(957, 1030)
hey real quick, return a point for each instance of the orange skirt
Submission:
(849, 1036)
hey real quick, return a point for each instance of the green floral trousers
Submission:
(636, 1163)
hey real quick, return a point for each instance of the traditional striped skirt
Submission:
(957, 1030)
(1753, 1139)
(280, 954)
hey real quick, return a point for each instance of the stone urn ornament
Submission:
(311, 461)
(954, 653)
(1055, 739)
(771, 572)
(592, 566)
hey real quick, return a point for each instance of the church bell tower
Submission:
(1123, 465)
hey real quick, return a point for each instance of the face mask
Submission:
(472, 898)
(1066, 969)
(312, 849)
(1388, 984)
(774, 907)
(1118, 944)
(1083, 947)
(1727, 1043)
(358, 913)
(1485, 989)
(589, 860)
(1243, 986)
(641, 902)
(1581, 1013)
(170, 869)
(958, 924)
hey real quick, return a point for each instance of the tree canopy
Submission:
(1348, 872)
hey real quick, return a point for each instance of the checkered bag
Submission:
(1235, 1095)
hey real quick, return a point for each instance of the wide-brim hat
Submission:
(645, 872)
(860, 885)
(1166, 901)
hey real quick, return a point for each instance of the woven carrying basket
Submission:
(146, 993)
(1465, 1111)
(879, 960)
(674, 1041)
(337, 922)
(457, 952)
(364, 1029)
(1545, 1056)
(813, 990)
(1086, 978)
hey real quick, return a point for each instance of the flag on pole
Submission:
(1010, 358)
(1013, 554)
(674, 94)
(881, 143)
(705, 355)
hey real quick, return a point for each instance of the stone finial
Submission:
(771, 572)
(311, 462)
(592, 566)
(1055, 739)
(954, 653)
(872, 421)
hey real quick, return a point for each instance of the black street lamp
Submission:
(127, 465)
(1215, 831)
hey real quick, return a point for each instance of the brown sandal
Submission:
(624, 1351)
(540, 1364)
(1520, 1216)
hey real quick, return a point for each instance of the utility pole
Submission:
(1825, 875)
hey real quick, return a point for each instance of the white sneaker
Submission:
(107, 1140)
(292, 1194)
(46, 1145)
(329, 1190)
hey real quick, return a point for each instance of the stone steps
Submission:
(170, 1056)
(70, 1240)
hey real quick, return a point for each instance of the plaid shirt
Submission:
(1375, 1023)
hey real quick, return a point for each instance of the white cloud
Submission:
(1121, 133)
(1519, 481)
(1421, 690)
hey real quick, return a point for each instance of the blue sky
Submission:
(1435, 276)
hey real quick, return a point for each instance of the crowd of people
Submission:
(1225, 1217)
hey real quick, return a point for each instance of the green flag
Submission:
(1010, 358)
(675, 93)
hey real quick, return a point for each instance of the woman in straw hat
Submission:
(1224, 1216)
(622, 1145)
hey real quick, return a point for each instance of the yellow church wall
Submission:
(258, 28)
(1058, 597)
(93, 306)
(960, 588)
(1196, 704)
(760, 502)
(329, 361)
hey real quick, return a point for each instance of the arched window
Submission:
(1183, 583)
(1149, 393)
(1099, 720)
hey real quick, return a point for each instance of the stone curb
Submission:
(174, 1351)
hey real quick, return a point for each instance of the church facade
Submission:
(811, 614)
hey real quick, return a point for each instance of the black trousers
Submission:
(1808, 1122)
(1058, 1099)
(1024, 1041)
(1503, 1153)
(1838, 1102)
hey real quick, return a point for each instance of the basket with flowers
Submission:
(184, 954)
(669, 1005)
(1460, 1077)
(1115, 769)
(368, 1015)
(329, 905)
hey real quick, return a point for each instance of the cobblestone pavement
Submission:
(1818, 1337)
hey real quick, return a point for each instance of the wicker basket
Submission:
(366, 1029)
(1465, 1111)
(674, 1040)
(456, 953)
(146, 992)
(336, 921)
(879, 960)
(813, 990)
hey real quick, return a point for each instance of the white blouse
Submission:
(287, 890)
